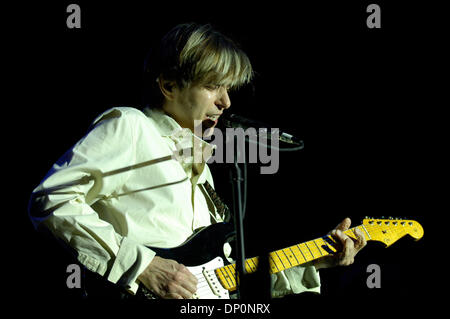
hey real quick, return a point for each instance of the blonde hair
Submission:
(192, 54)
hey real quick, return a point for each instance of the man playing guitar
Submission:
(119, 190)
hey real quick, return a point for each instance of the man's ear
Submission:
(167, 88)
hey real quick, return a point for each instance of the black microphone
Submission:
(238, 121)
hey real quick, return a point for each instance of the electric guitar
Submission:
(202, 253)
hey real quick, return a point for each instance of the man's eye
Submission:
(212, 86)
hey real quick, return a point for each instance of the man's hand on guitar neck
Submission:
(350, 247)
(169, 279)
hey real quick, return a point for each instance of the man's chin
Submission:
(206, 128)
(207, 133)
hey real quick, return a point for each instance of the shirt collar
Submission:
(165, 124)
(183, 137)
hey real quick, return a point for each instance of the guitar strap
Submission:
(221, 207)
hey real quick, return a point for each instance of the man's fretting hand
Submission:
(350, 247)
(168, 279)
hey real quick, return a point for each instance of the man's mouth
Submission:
(213, 117)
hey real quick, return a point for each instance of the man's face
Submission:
(202, 103)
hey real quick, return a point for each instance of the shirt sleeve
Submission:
(295, 280)
(86, 173)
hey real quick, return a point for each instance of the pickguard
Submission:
(208, 286)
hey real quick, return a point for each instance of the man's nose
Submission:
(223, 101)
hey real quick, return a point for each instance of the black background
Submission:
(355, 95)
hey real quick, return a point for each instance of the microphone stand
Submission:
(236, 179)
(239, 203)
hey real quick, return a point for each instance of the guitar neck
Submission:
(386, 231)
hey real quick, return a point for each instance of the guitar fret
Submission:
(327, 245)
(273, 263)
(248, 269)
(300, 250)
(231, 275)
(281, 260)
(275, 254)
(235, 275)
(252, 266)
(313, 249)
(221, 273)
(255, 265)
(232, 269)
(283, 250)
(330, 242)
(293, 254)
(318, 248)
(350, 233)
(306, 244)
(368, 235)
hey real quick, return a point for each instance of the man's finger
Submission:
(188, 274)
(360, 240)
(189, 286)
(188, 280)
(344, 225)
(174, 289)
(172, 295)
(340, 235)
(349, 245)
(346, 257)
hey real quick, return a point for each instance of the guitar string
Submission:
(378, 229)
(375, 230)
(202, 283)
(310, 254)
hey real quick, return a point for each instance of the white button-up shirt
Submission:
(120, 189)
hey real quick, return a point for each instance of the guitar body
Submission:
(202, 253)
(201, 247)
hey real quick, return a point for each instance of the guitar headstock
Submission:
(388, 231)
